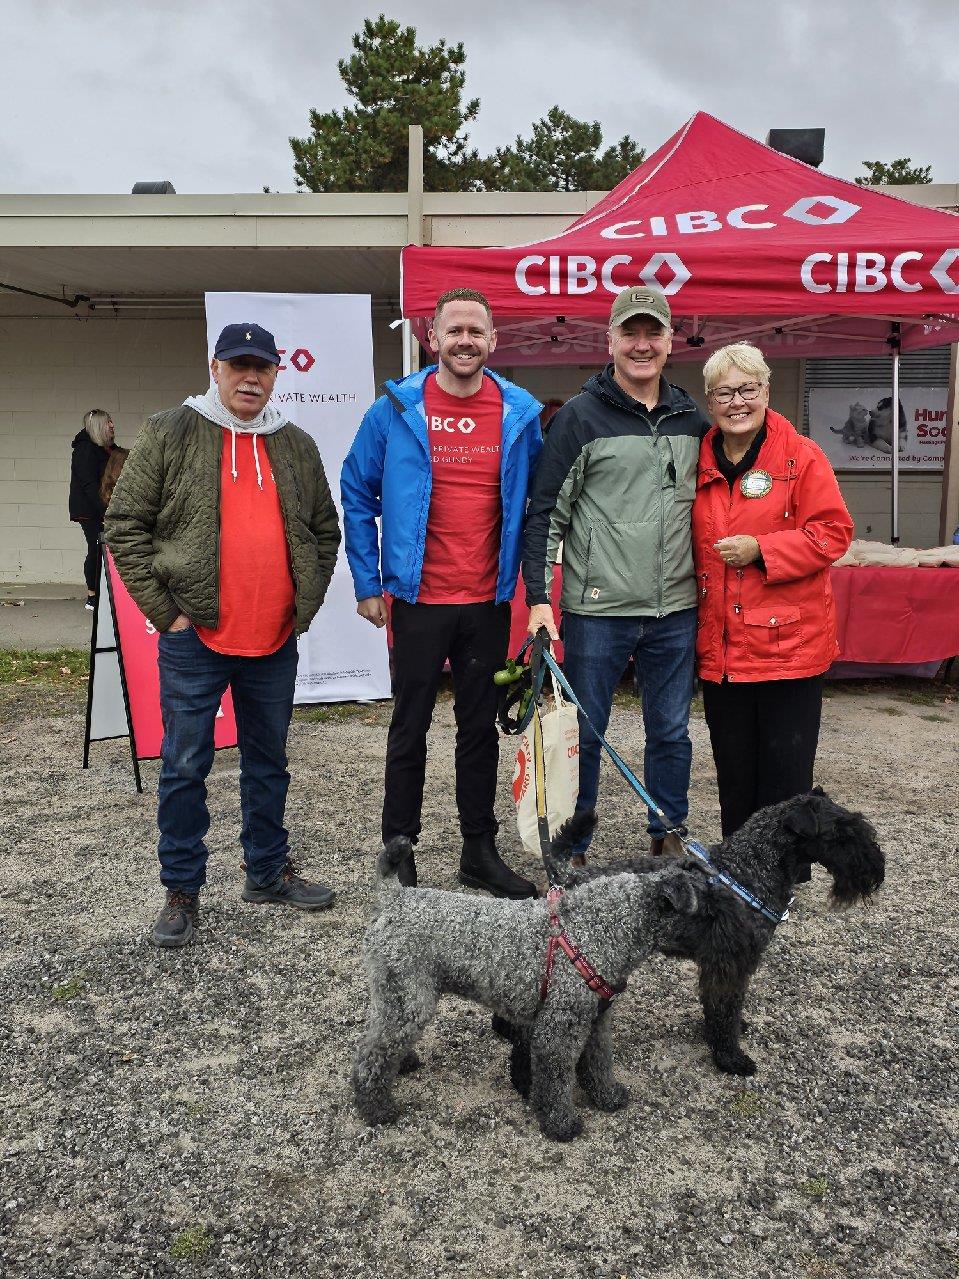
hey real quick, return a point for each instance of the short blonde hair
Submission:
(740, 355)
(95, 425)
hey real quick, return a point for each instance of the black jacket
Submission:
(86, 471)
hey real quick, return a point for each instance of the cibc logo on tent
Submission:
(569, 275)
(452, 424)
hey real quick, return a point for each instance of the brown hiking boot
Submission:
(176, 922)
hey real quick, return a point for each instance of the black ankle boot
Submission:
(482, 867)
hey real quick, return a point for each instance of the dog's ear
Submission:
(677, 893)
(818, 790)
(802, 818)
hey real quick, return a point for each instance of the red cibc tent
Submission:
(746, 243)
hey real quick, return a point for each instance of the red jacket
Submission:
(776, 622)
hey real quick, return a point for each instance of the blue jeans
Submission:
(193, 679)
(595, 653)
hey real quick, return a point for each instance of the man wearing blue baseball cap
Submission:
(224, 532)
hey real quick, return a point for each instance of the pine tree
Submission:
(900, 173)
(394, 83)
(562, 154)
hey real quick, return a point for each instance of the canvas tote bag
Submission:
(560, 747)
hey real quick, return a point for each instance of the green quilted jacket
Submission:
(163, 521)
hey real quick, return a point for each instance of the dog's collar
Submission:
(775, 917)
(558, 937)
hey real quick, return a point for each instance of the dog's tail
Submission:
(392, 854)
(579, 827)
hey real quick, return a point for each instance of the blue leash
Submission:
(542, 659)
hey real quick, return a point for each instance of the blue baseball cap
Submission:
(246, 339)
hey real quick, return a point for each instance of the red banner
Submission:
(138, 647)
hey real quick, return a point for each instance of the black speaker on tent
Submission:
(807, 145)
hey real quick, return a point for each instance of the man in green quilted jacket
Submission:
(223, 530)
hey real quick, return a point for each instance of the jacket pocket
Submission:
(622, 566)
(586, 563)
(682, 467)
(773, 632)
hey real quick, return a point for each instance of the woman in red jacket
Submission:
(768, 520)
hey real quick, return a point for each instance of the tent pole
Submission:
(895, 341)
(949, 505)
(414, 232)
(406, 337)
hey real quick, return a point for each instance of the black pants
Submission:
(474, 637)
(764, 738)
(92, 529)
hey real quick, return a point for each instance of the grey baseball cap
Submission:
(640, 302)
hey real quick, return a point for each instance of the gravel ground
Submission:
(189, 1113)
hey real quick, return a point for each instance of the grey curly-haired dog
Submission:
(425, 943)
(767, 856)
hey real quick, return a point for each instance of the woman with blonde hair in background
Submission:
(91, 451)
(768, 521)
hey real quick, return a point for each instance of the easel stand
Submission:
(108, 701)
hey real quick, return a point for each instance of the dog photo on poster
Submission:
(854, 426)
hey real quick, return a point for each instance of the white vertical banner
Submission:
(325, 385)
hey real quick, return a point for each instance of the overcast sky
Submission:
(98, 94)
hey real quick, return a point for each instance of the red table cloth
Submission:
(896, 615)
(884, 616)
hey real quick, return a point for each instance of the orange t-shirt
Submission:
(256, 582)
(463, 529)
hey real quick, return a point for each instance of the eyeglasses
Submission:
(726, 394)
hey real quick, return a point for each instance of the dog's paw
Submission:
(377, 1115)
(735, 1063)
(412, 1061)
(561, 1127)
(613, 1096)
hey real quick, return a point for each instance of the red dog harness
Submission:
(558, 937)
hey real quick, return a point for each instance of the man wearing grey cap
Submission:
(224, 532)
(615, 485)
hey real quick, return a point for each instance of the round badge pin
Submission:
(756, 484)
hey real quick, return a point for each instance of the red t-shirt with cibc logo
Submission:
(461, 557)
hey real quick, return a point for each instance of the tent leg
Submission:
(895, 445)
(409, 345)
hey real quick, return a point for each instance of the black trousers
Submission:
(474, 638)
(92, 529)
(764, 738)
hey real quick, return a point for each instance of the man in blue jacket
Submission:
(444, 460)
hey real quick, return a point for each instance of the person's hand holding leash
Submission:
(542, 615)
